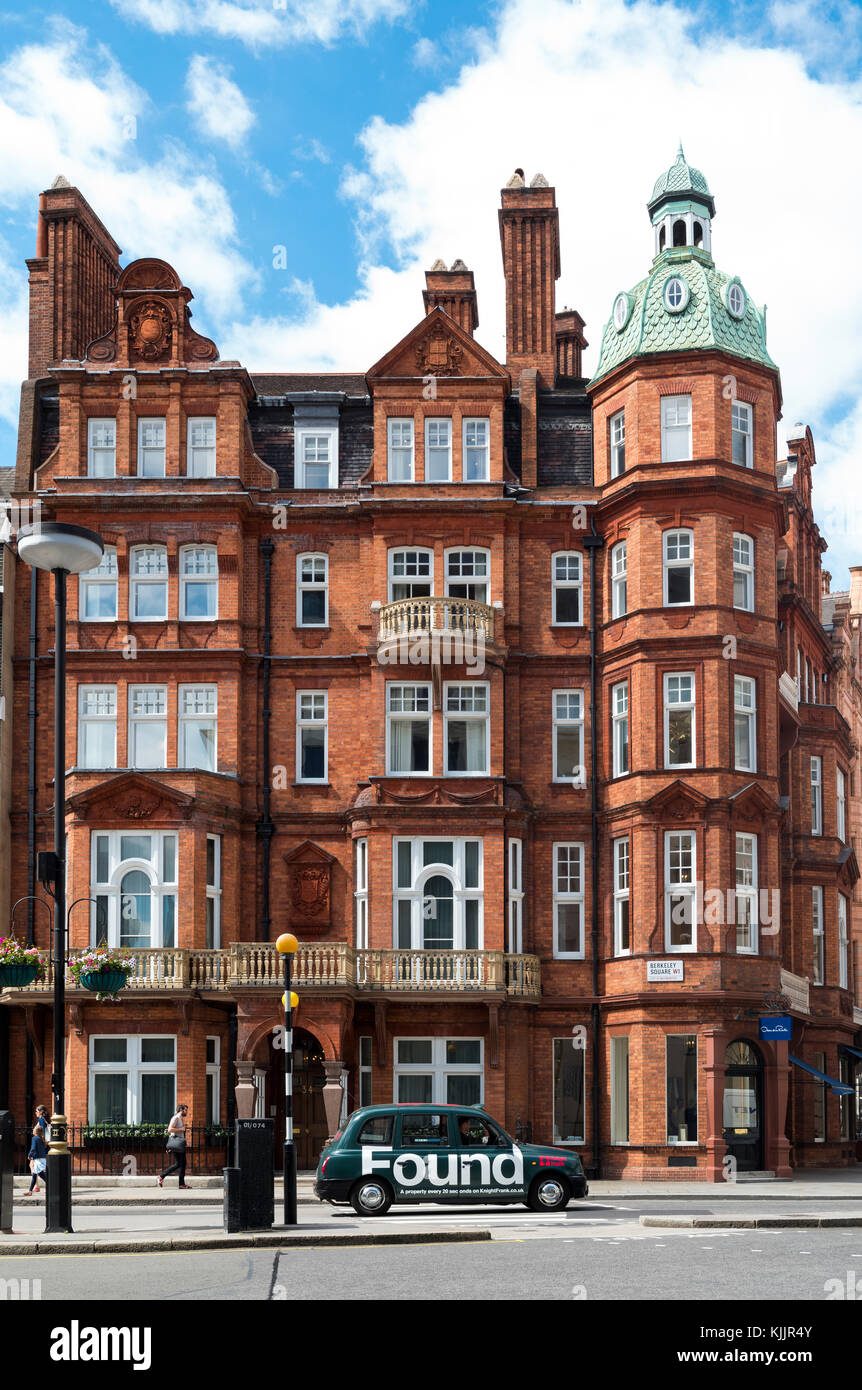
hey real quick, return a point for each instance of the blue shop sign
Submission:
(775, 1028)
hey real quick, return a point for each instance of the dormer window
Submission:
(400, 451)
(438, 451)
(317, 458)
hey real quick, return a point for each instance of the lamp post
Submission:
(287, 946)
(62, 550)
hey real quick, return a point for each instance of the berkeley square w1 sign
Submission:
(664, 970)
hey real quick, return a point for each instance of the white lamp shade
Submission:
(54, 545)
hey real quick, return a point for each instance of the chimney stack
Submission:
(855, 589)
(530, 240)
(72, 278)
(454, 291)
(570, 344)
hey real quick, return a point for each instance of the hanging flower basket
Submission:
(102, 970)
(19, 965)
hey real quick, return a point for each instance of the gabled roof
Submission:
(134, 797)
(437, 346)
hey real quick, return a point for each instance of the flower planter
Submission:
(17, 975)
(103, 981)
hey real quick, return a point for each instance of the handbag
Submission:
(176, 1144)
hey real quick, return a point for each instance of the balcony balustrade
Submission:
(412, 618)
(318, 966)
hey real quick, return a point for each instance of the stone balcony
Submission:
(455, 620)
(247, 966)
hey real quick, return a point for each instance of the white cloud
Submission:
(215, 103)
(260, 23)
(14, 299)
(425, 53)
(310, 148)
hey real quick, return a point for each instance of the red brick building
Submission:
(506, 691)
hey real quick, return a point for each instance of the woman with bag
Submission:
(38, 1158)
(176, 1146)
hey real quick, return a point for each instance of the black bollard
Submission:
(7, 1169)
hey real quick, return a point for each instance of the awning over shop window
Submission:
(853, 1051)
(840, 1088)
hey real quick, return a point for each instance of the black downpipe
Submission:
(29, 1098)
(265, 826)
(592, 543)
(231, 1067)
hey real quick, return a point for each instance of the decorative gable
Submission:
(153, 323)
(131, 797)
(677, 802)
(437, 346)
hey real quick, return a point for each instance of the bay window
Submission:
(198, 726)
(620, 725)
(679, 701)
(408, 729)
(680, 854)
(97, 726)
(213, 893)
(132, 1079)
(439, 1071)
(744, 724)
(843, 944)
(516, 897)
(569, 1092)
(568, 737)
(841, 805)
(360, 893)
(742, 430)
(746, 895)
(743, 572)
(681, 1074)
(678, 568)
(617, 427)
(148, 726)
(622, 894)
(619, 584)
(466, 729)
(438, 901)
(816, 775)
(819, 969)
(675, 429)
(134, 887)
(619, 1089)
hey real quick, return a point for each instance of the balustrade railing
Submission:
(417, 617)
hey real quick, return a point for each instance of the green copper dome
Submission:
(679, 180)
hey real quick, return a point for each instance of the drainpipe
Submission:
(265, 826)
(29, 1098)
(592, 543)
(230, 1112)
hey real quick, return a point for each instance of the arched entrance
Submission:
(743, 1105)
(309, 1114)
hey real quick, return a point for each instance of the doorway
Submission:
(743, 1105)
(309, 1113)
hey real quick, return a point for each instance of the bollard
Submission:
(231, 1199)
(254, 1152)
(7, 1169)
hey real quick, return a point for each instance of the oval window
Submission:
(621, 312)
(676, 293)
(736, 299)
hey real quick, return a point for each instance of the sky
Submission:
(302, 162)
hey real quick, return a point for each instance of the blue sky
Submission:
(368, 137)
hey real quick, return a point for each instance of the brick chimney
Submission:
(452, 290)
(530, 239)
(570, 342)
(72, 278)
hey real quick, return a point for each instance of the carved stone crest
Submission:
(150, 327)
(310, 890)
(309, 878)
(439, 354)
(137, 808)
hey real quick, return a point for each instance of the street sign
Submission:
(664, 970)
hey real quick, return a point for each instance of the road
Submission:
(596, 1250)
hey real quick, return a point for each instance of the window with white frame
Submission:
(675, 429)
(516, 897)
(198, 583)
(438, 450)
(201, 446)
(97, 726)
(411, 574)
(841, 805)
(365, 1070)
(466, 729)
(620, 726)
(619, 580)
(213, 1074)
(569, 1092)
(198, 727)
(312, 590)
(148, 726)
(679, 890)
(400, 450)
(134, 888)
(438, 897)
(843, 944)
(132, 1079)
(744, 724)
(742, 432)
(151, 447)
(619, 1089)
(746, 895)
(408, 729)
(818, 976)
(360, 893)
(101, 448)
(681, 1081)
(568, 736)
(213, 906)
(816, 774)
(622, 895)
(467, 574)
(678, 568)
(311, 735)
(569, 901)
(316, 458)
(679, 701)
(476, 466)
(439, 1071)
(743, 572)
(97, 590)
(567, 588)
(617, 427)
(819, 1098)
(148, 584)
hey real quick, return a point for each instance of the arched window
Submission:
(698, 234)
(438, 895)
(662, 238)
(148, 586)
(679, 233)
(134, 887)
(198, 582)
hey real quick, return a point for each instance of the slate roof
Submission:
(706, 322)
(281, 384)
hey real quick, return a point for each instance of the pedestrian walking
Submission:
(176, 1146)
(38, 1154)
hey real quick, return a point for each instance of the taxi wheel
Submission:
(549, 1193)
(371, 1197)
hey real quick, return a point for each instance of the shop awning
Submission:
(840, 1088)
(854, 1051)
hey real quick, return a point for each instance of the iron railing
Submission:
(102, 1150)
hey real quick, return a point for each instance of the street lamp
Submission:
(62, 549)
(287, 946)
